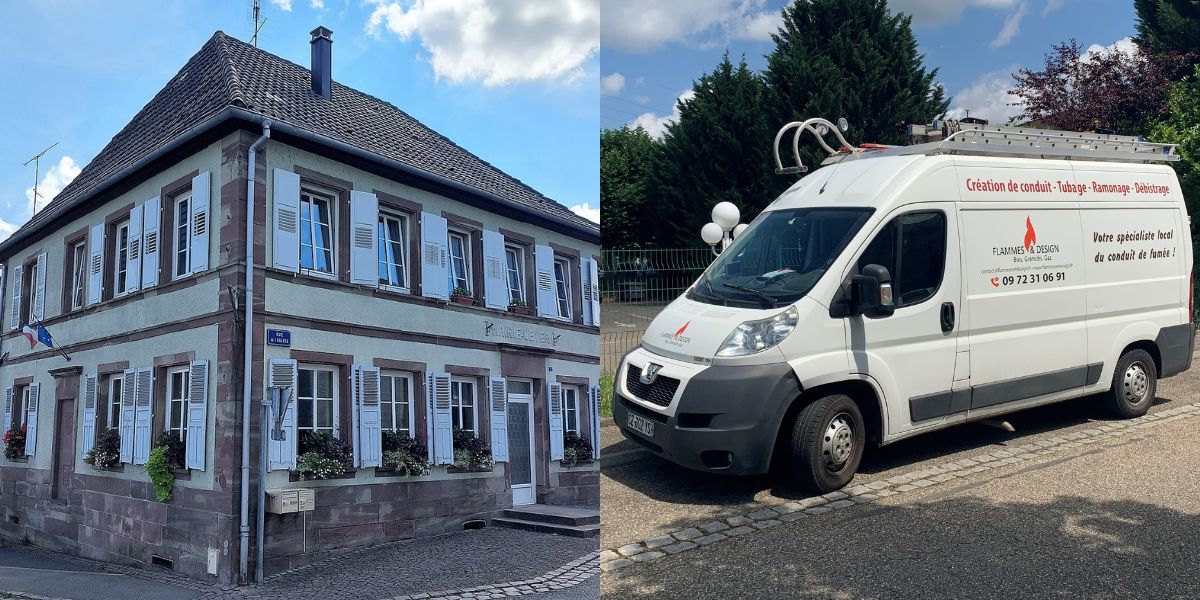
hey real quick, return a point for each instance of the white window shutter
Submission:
(498, 396)
(495, 284)
(95, 264)
(556, 421)
(8, 408)
(133, 260)
(197, 415)
(151, 220)
(128, 388)
(282, 453)
(143, 415)
(594, 397)
(370, 422)
(547, 299)
(591, 292)
(285, 221)
(39, 293)
(364, 240)
(434, 282)
(89, 416)
(443, 421)
(201, 198)
(35, 391)
(15, 305)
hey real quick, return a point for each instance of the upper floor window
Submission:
(316, 231)
(514, 259)
(183, 241)
(78, 276)
(121, 258)
(176, 401)
(393, 233)
(462, 405)
(29, 292)
(395, 399)
(315, 406)
(571, 410)
(562, 287)
(460, 262)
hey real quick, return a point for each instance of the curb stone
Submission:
(770, 515)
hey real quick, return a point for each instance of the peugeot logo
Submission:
(650, 373)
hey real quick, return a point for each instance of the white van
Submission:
(904, 290)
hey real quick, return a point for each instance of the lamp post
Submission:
(724, 227)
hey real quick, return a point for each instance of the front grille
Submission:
(661, 392)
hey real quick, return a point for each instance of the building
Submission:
(411, 303)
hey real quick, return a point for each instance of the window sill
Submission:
(19, 459)
(454, 469)
(120, 468)
(583, 464)
(181, 474)
(293, 476)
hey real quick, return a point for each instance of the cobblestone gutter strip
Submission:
(568, 575)
(612, 559)
(146, 573)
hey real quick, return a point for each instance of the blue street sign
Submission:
(279, 337)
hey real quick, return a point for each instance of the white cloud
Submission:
(656, 125)
(587, 212)
(987, 98)
(1124, 45)
(1052, 5)
(1011, 27)
(6, 229)
(642, 99)
(933, 13)
(497, 42)
(640, 26)
(612, 84)
(317, 4)
(52, 183)
(284, 5)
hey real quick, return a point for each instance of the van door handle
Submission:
(947, 316)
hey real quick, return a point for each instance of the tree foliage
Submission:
(1107, 90)
(1168, 26)
(625, 156)
(1182, 126)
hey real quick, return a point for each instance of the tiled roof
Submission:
(229, 72)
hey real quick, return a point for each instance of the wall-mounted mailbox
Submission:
(290, 501)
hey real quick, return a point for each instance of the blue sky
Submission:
(519, 90)
(649, 56)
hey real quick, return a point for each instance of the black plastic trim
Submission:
(942, 404)
(1175, 347)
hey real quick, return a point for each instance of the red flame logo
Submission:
(682, 329)
(1030, 234)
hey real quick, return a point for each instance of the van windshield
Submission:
(780, 257)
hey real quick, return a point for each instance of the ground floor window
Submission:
(571, 410)
(462, 404)
(112, 403)
(176, 400)
(315, 393)
(395, 399)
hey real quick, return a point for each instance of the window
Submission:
(113, 406)
(571, 410)
(121, 260)
(78, 281)
(462, 405)
(177, 385)
(520, 386)
(562, 287)
(183, 239)
(393, 232)
(395, 399)
(316, 231)
(515, 264)
(315, 407)
(20, 409)
(29, 292)
(460, 262)
(25, 407)
(919, 240)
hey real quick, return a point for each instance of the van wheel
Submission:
(827, 443)
(1134, 384)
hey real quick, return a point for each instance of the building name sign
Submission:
(536, 335)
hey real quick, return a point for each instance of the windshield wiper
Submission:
(766, 298)
(710, 294)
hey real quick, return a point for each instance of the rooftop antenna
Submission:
(37, 163)
(258, 25)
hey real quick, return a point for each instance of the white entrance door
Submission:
(520, 442)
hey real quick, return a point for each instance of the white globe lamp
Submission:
(739, 229)
(726, 215)
(711, 234)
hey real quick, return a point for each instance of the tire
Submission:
(827, 443)
(1134, 384)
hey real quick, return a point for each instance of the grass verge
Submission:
(606, 396)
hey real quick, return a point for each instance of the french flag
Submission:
(37, 333)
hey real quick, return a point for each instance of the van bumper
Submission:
(725, 419)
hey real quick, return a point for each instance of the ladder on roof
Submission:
(954, 137)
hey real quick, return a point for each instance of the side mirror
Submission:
(871, 293)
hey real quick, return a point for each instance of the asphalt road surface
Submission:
(1114, 519)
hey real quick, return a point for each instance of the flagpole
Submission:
(61, 352)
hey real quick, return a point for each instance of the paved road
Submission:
(33, 572)
(1115, 515)
(629, 315)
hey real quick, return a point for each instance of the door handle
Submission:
(947, 316)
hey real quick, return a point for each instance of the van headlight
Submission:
(756, 336)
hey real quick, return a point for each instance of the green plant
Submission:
(461, 292)
(518, 302)
(575, 450)
(311, 465)
(14, 442)
(160, 473)
(470, 452)
(606, 395)
(404, 454)
(328, 447)
(175, 450)
(106, 453)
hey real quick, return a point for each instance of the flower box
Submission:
(464, 300)
(518, 310)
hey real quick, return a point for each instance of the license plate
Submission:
(640, 424)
